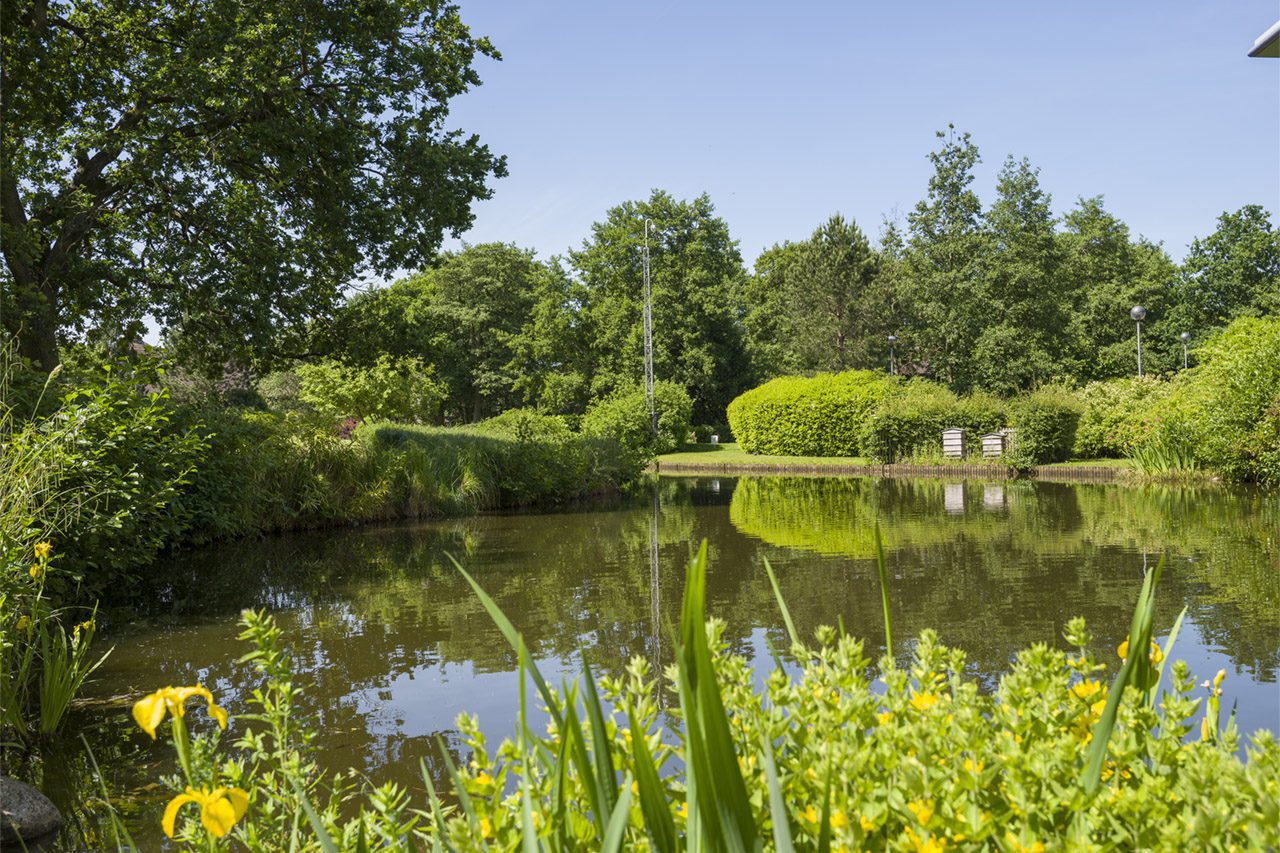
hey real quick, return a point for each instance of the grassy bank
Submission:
(730, 459)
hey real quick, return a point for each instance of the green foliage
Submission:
(696, 272)
(1234, 271)
(1113, 418)
(527, 425)
(623, 417)
(1045, 423)
(1226, 409)
(225, 177)
(121, 458)
(401, 389)
(910, 420)
(818, 416)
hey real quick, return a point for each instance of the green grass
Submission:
(732, 454)
(717, 455)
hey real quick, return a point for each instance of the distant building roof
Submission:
(1267, 44)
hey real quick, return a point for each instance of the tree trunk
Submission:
(36, 325)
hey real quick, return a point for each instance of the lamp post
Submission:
(1138, 313)
(893, 367)
(1184, 337)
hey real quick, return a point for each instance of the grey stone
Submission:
(25, 813)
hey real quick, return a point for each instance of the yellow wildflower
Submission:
(149, 711)
(884, 717)
(35, 572)
(42, 549)
(483, 779)
(921, 701)
(1217, 682)
(810, 814)
(684, 811)
(922, 810)
(486, 827)
(973, 766)
(1086, 690)
(1154, 654)
(635, 788)
(219, 809)
(838, 819)
(866, 824)
(928, 844)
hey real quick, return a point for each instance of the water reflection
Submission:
(392, 645)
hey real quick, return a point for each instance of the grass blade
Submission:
(884, 593)
(317, 825)
(1166, 652)
(777, 808)
(601, 747)
(782, 604)
(437, 813)
(617, 828)
(653, 797)
(513, 637)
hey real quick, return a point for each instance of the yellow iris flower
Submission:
(149, 711)
(1155, 654)
(219, 809)
(42, 549)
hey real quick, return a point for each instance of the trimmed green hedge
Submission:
(818, 416)
(909, 422)
(1045, 424)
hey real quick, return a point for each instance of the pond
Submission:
(392, 645)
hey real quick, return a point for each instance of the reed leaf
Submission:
(782, 604)
(653, 796)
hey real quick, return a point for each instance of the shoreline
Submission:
(1047, 473)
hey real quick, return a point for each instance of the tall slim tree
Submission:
(222, 167)
(946, 251)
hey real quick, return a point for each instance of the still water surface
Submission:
(392, 645)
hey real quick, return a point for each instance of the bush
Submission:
(1228, 406)
(818, 416)
(909, 422)
(1046, 426)
(1113, 417)
(399, 389)
(526, 425)
(623, 417)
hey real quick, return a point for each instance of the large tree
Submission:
(1233, 271)
(221, 166)
(696, 270)
(833, 304)
(945, 257)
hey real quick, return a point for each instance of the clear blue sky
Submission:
(787, 112)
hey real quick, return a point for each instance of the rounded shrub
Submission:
(624, 418)
(1045, 422)
(909, 422)
(821, 415)
(1113, 415)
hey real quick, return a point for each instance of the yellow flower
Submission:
(23, 623)
(1217, 682)
(973, 766)
(35, 572)
(810, 814)
(838, 819)
(149, 711)
(923, 811)
(42, 549)
(884, 717)
(635, 788)
(928, 844)
(1155, 654)
(867, 825)
(219, 809)
(486, 827)
(684, 811)
(1086, 690)
(921, 701)
(483, 779)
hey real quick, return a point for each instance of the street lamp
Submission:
(1185, 336)
(1138, 313)
(893, 367)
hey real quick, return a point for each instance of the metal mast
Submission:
(648, 337)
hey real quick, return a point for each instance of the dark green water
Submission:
(392, 645)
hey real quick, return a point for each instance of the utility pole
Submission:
(648, 337)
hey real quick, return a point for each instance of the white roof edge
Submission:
(1263, 41)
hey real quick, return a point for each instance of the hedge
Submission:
(910, 421)
(821, 415)
(1045, 424)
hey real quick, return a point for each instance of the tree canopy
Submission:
(224, 168)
